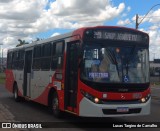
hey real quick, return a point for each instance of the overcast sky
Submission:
(29, 19)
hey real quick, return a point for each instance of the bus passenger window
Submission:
(9, 60)
(57, 59)
(46, 56)
(59, 48)
(15, 60)
(37, 58)
(20, 59)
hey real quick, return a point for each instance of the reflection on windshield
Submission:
(115, 64)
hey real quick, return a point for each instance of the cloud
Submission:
(21, 9)
(22, 19)
(55, 34)
(154, 43)
(73, 14)
(153, 30)
(9, 40)
(123, 23)
(17, 17)
(128, 8)
(5, 1)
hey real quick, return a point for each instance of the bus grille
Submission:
(120, 101)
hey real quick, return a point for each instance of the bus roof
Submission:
(79, 31)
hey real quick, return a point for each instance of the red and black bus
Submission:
(98, 71)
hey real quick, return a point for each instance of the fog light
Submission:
(96, 100)
(143, 100)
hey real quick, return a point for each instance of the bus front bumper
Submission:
(89, 109)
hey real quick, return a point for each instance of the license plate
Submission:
(122, 109)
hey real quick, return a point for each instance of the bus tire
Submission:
(15, 92)
(55, 106)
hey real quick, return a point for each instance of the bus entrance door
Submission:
(27, 73)
(71, 77)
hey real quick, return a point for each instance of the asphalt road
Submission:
(26, 111)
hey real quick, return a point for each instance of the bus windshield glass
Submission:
(111, 64)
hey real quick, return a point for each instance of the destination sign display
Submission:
(117, 35)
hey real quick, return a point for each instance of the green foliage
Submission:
(2, 78)
(21, 42)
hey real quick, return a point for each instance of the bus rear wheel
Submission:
(55, 106)
(15, 92)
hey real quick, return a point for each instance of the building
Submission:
(155, 67)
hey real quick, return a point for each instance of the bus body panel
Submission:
(112, 95)
(9, 80)
(39, 93)
(39, 81)
(19, 80)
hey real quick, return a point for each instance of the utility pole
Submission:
(137, 21)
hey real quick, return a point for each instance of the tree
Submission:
(38, 39)
(21, 42)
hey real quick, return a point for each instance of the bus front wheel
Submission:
(55, 106)
(16, 97)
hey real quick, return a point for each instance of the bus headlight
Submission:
(90, 97)
(145, 99)
(96, 100)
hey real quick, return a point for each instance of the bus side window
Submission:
(15, 60)
(37, 58)
(57, 59)
(46, 56)
(9, 60)
(20, 59)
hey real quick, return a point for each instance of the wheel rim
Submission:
(15, 94)
(55, 105)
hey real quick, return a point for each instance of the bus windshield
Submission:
(111, 64)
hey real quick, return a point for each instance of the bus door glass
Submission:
(27, 73)
(71, 75)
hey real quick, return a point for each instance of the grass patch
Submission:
(2, 78)
(155, 83)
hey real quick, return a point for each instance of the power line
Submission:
(135, 20)
(148, 16)
(137, 24)
(148, 28)
(129, 22)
